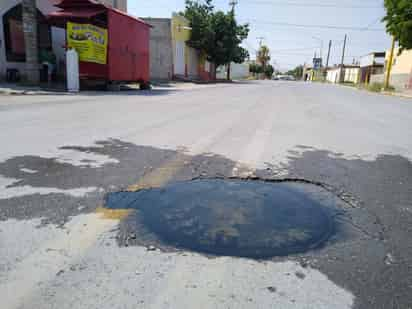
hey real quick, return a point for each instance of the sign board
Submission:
(317, 63)
(89, 41)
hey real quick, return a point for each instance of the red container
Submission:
(128, 40)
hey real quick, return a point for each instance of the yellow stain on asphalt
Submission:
(113, 214)
(161, 175)
(155, 179)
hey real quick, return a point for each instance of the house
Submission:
(350, 74)
(170, 55)
(12, 44)
(370, 64)
(307, 73)
(186, 60)
(401, 73)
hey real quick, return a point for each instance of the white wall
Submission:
(352, 75)
(237, 71)
(332, 75)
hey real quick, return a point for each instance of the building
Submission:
(333, 74)
(307, 73)
(370, 64)
(186, 60)
(161, 51)
(350, 73)
(12, 44)
(118, 4)
(401, 74)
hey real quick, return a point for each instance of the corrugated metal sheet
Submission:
(128, 40)
(128, 52)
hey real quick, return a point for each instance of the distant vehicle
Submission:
(284, 77)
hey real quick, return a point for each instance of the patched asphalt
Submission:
(371, 257)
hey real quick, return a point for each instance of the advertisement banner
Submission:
(89, 41)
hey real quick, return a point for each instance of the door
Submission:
(193, 63)
(179, 67)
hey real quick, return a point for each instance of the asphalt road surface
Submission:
(60, 247)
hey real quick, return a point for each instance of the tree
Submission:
(253, 68)
(263, 56)
(199, 16)
(296, 72)
(399, 21)
(216, 33)
(30, 38)
(269, 70)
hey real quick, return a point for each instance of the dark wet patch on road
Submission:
(233, 217)
(375, 198)
(133, 162)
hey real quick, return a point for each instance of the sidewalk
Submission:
(403, 94)
(17, 89)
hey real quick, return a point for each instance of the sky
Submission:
(290, 27)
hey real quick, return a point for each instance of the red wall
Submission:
(128, 50)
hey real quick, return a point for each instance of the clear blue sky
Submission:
(292, 45)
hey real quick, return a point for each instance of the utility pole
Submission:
(390, 63)
(341, 72)
(29, 13)
(327, 60)
(233, 4)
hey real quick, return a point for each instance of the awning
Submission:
(60, 17)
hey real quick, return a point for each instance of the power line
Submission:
(293, 49)
(313, 26)
(318, 5)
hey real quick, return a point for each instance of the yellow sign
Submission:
(89, 41)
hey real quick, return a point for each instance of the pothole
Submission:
(255, 219)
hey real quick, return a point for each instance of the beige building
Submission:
(401, 75)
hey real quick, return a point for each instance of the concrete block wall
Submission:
(161, 53)
(399, 81)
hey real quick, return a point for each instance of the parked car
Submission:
(285, 77)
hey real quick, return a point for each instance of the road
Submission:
(60, 155)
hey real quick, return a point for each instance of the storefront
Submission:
(112, 45)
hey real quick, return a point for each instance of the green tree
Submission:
(296, 72)
(216, 33)
(399, 21)
(269, 70)
(253, 68)
(263, 56)
(199, 15)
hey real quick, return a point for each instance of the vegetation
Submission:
(263, 56)
(258, 69)
(377, 87)
(296, 72)
(269, 70)
(216, 33)
(399, 21)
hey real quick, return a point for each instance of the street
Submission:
(61, 247)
